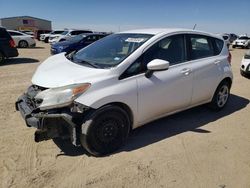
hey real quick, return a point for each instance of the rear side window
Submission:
(219, 45)
(14, 33)
(201, 47)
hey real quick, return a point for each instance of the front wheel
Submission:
(221, 96)
(105, 130)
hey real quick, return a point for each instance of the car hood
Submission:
(56, 35)
(45, 35)
(63, 43)
(58, 71)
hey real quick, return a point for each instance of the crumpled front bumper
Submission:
(50, 124)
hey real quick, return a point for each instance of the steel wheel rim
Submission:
(222, 96)
(23, 44)
(108, 132)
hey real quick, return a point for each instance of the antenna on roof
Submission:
(194, 26)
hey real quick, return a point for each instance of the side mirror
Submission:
(156, 65)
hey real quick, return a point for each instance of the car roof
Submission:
(157, 31)
(14, 31)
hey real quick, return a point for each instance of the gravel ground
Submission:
(195, 148)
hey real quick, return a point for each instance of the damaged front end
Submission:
(64, 122)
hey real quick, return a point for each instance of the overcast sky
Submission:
(113, 15)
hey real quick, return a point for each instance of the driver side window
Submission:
(171, 49)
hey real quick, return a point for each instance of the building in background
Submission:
(25, 23)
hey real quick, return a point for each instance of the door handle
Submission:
(186, 71)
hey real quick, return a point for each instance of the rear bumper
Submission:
(50, 124)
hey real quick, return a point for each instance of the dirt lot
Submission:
(195, 148)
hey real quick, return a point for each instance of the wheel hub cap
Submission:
(222, 96)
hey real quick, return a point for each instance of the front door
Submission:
(165, 91)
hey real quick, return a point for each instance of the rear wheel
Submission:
(1, 57)
(46, 40)
(221, 96)
(105, 130)
(23, 44)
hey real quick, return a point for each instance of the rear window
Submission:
(4, 34)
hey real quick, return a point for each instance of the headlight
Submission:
(60, 97)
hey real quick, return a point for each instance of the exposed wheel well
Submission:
(228, 80)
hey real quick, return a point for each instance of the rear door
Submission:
(205, 62)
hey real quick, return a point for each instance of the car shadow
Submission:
(67, 148)
(20, 60)
(190, 120)
(37, 47)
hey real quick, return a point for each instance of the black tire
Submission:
(220, 97)
(23, 44)
(105, 130)
(46, 40)
(2, 57)
(233, 46)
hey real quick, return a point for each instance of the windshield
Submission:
(244, 38)
(64, 33)
(76, 38)
(111, 50)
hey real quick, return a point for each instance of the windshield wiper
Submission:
(88, 63)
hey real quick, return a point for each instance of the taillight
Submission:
(229, 58)
(12, 43)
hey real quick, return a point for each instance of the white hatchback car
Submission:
(22, 40)
(242, 42)
(245, 65)
(99, 94)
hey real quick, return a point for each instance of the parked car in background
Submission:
(98, 95)
(22, 40)
(67, 34)
(39, 32)
(45, 37)
(242, 42)
(7, 45)
(75, 43)
(245, 65)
